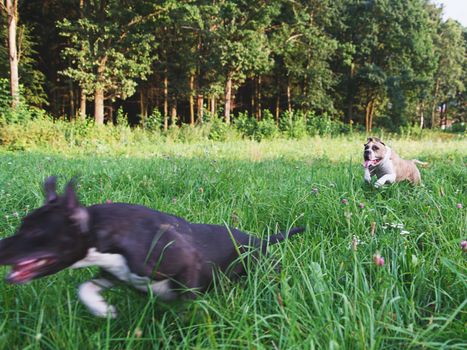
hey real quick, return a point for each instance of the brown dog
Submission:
(386, 165)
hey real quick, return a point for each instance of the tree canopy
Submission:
(387, 63)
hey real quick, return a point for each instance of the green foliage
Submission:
(324, 125)
(21, 113)
(218, 130)
(110, 46)
(31, 78)
(245, 124)
(293, 124)
(154, 121)
(267, 128)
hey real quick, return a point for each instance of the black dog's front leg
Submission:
(90, 295)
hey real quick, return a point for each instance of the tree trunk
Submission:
(278, 101)
(367, 117)
(12, 12)
(99, 94)
(72, 101)
(372, 109)
(258, 98)
(228, 98)
(110, 109)
(166, 101)
(143, 106)
(192, 100)
(82, 95)
(253, 97)
(213, 106)
(422, 117)
(433, 109)
(99, 106)
(350, 95)
(173, 112)
(200, 107)
(289, 95)
(443, 116)
(82, 105)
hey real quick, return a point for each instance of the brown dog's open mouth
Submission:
(26, 270)
(373, 162)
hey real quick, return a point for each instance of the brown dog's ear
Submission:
(379, 140)
(50, 188)
(369, 139)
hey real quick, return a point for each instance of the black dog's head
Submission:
(49, 239)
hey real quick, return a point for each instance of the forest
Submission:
(363, 63)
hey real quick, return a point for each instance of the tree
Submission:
(304, 47)
(110, 47)
(450, 50)
(11, 9)
(240, 42)
(393, 60)
(32, 79)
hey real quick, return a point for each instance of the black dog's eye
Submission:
(375, 148)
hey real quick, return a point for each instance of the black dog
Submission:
(134, 244)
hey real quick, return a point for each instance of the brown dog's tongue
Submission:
(367, 163)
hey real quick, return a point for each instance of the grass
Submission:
(327, 296)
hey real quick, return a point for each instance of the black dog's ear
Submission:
(78, 214)
(70, 198)
(50, 188)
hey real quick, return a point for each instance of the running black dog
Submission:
(131, 243)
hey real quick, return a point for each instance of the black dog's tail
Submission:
(273, 239)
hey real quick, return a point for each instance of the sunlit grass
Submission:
(327, 295)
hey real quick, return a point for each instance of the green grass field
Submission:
(327, 296)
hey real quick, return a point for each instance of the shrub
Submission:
(293, 125)
(218, 130)
(266, 127)
(323, 125)
(20, 114)
(246, 125)
(154, 121)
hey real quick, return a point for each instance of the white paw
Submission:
(103, 310)
(378, 184)
(89, 294)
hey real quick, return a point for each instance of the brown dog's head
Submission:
(374, 152)
(49, 239)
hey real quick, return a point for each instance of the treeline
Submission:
(375, 62)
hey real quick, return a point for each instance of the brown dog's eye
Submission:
(375, 148)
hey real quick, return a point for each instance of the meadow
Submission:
(329, 294)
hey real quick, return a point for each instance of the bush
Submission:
(323, 125)
(457, 127)
(293, 125)
(246, 125)
(20, 114)
(218, 130)
(266, 127)
(154, 121)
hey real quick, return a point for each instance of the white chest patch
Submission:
(117, 265)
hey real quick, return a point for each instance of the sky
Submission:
(455, 9)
